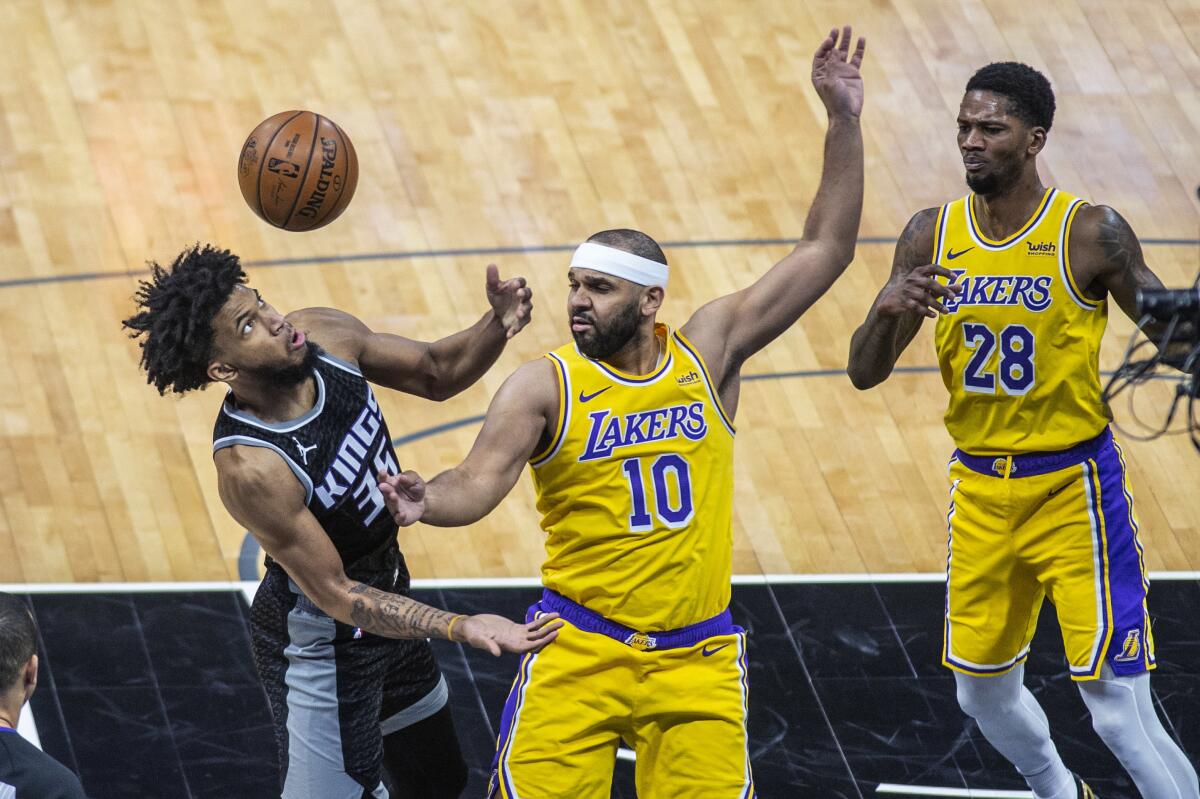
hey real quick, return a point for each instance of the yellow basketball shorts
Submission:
(678, 699)
(1058, 525)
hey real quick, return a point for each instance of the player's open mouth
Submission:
(297, 339)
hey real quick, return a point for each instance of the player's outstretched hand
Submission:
(404, 494)
(835, 73)
(512, 300)
(497, 634)
(918, 292)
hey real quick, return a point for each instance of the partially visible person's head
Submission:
(199, 322)
(18, 646)
(617, 281)
(1005, 115)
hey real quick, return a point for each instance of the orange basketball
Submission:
(298, 170)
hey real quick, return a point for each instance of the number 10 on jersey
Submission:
(670, 489)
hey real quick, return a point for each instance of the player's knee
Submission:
(981, 697)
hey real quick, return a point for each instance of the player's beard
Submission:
(1004, 175)
(603, 340)
(293, 374)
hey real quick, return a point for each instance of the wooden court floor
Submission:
(513, 130)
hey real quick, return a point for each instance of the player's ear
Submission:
(652, 300)
(1037, 140)
(221, 372)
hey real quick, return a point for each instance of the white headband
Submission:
(619, 263)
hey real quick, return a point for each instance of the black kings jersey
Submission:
(335, 450)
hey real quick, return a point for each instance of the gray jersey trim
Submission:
(315, 768)
(280, 427)
(420, 710)
(229, 441)
(345, 366)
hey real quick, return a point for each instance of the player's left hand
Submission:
(497, 634)
(512, 300)
(835, 73)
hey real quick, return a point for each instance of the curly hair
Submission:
(1030, 97)
(176, 309)
(18, 639)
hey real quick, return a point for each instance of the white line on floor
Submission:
(499, 582)
(969, 793)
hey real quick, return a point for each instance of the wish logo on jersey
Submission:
(1032, 292)
(610, 432)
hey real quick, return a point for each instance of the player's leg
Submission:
(421, 753)
(1123, 716)
(1014, 723)
(566, 712)
(330, 707)
(992, 604)
(424, 760)
(1111, 650)
(690, 722)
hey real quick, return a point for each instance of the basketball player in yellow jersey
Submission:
(629, 432)
(1039, 503)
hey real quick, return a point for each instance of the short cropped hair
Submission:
(18, 639)
(634, 241)
(1028, 92)
(176, 310)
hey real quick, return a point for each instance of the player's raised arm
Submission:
(911, 294)
(261, 493)
(731, 329)
(434, 370)
(519, 421)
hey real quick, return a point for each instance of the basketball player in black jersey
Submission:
(341, 649)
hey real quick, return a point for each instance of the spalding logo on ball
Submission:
(298, 170)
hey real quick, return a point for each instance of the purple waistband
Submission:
(1035, 463)
(592, 622)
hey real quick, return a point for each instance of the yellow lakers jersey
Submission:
(636, 490)
(1019, 348)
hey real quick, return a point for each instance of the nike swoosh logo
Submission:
(951, 254)
(588, 397)
(710, 652)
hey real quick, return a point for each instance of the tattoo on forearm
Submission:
(395, 616)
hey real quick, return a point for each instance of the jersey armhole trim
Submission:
(708, 382)
(563, 381)
(1064, 262)
(247, 441)
(939, 234)
(345, 366)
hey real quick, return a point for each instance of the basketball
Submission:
(298, 170)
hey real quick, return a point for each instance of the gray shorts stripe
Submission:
(315, 769)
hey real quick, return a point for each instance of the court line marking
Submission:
(499, 582)
(404, 255)
(970, 793)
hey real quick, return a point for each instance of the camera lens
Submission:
(1162, 304)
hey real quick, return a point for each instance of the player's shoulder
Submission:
(249, 464)
(1099, 232)
(914, 247)
(533, 385)
(341, 334)
(42, 774)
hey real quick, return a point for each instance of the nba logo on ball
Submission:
(298, 170)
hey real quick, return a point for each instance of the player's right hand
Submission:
(918, 292)
(497, 634)
(404, 494)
